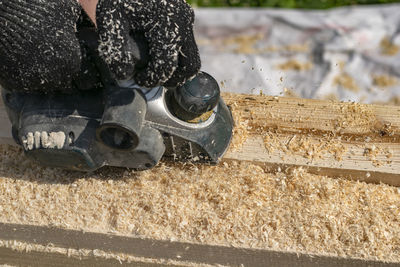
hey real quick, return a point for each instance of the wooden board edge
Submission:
(46, 259)
(155, 249)
(373, 177)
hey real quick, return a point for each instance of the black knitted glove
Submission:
(38, 47)
(168, 28)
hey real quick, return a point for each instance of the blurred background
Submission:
(341, 50)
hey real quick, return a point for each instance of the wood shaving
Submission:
(345, 81)
(293, 48)
(290, 93)
(305, 146)
(384, 81)
(295, 65)
(233, 204)
(244, 44)
(250, 44)
(355, 116)
(241, 127)
(388, 48)
(372, 152)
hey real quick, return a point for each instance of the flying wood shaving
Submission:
(234, 204)
(290, 93)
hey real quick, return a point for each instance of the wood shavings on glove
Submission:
(168, 29)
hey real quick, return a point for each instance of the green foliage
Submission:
(307, 4)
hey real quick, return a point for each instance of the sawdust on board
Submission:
(293, 64)
(241, 128)
(234, 204)
(388, 48)
(345, 123)
(305, 146)
(345, 81)
(355, 116)
(383, 81)
(372, 152)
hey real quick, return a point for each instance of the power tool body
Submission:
(118, 123)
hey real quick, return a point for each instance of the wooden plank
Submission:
(360, 142)
(355, 165)
(175, 252)
(364, 139)
(35, 258)
(300, 115)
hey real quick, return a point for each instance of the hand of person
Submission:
(38, 47)
(167, 26)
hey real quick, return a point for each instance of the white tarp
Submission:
(349, 53)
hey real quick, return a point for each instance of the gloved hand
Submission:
(168, 28)
(38, 47)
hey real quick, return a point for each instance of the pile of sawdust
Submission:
(236, 204)
(355, 116)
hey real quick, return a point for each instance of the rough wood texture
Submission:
(350, 140)
(117, 250)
